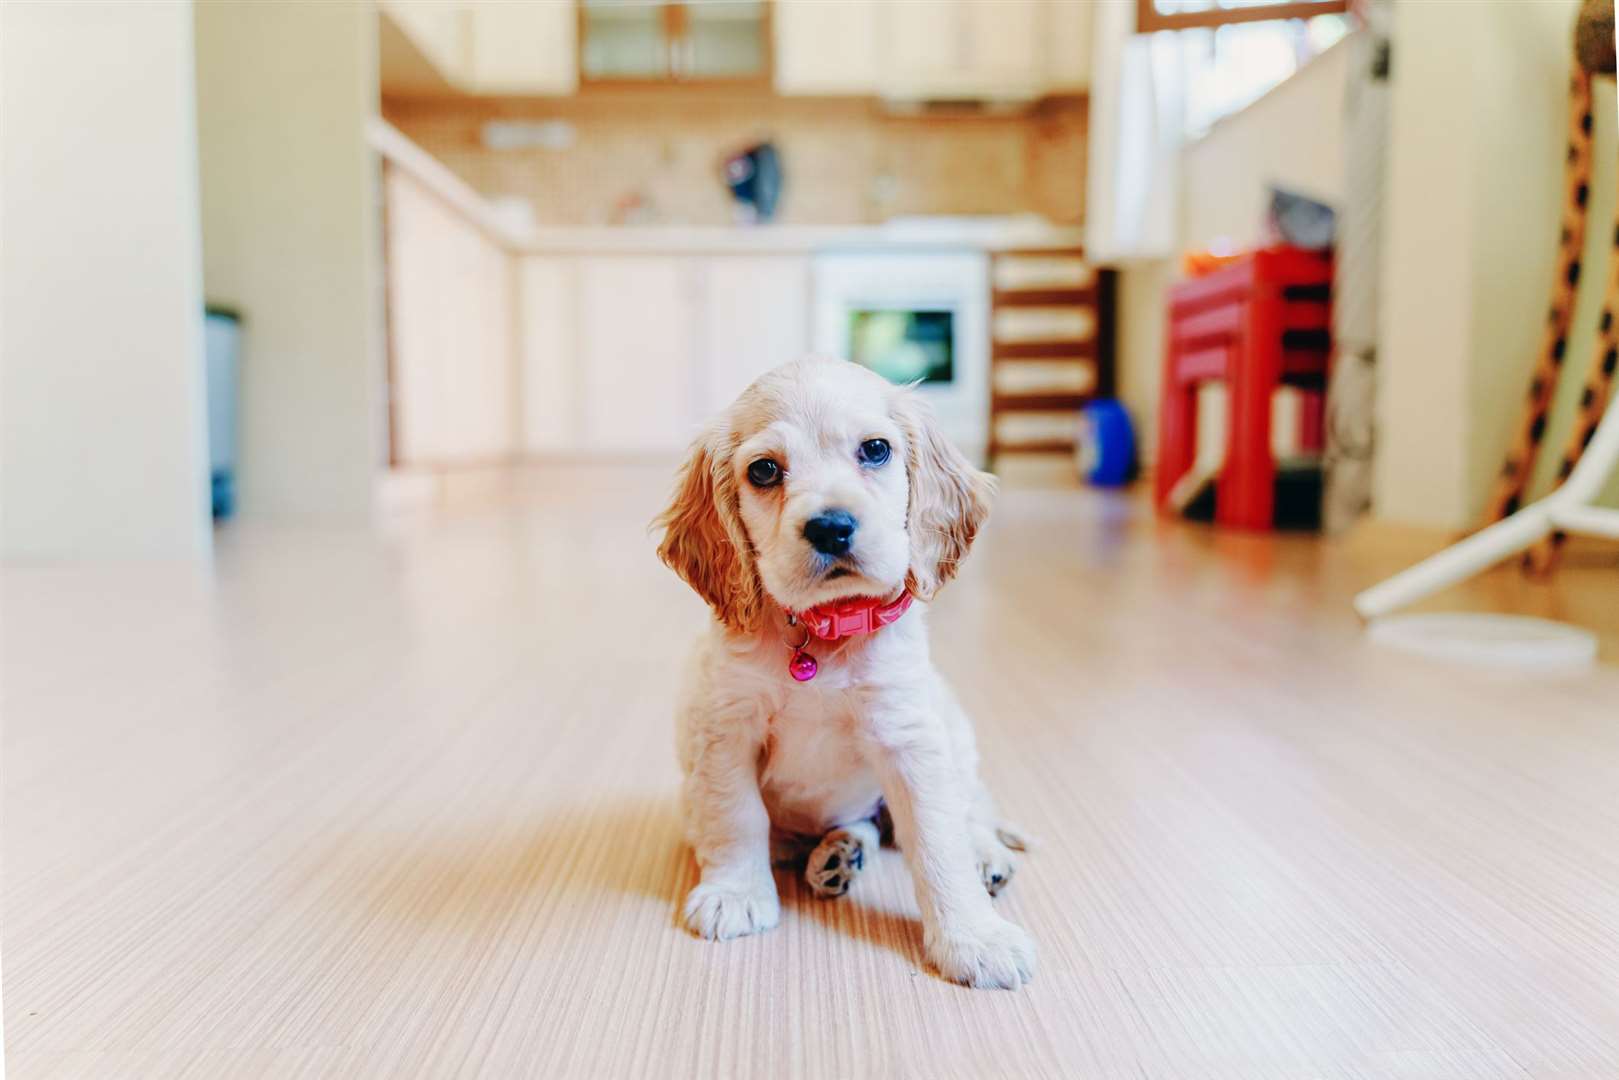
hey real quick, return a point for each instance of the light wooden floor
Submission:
(358, 807)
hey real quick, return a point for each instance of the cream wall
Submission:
(1139, 348)
(1477, 138)
(1292, 137)
(1421, 461)
(103, 447)
(290, 237)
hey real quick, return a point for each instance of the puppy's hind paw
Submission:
(997, 873)
(989, 953)
(996, 863)
(721, 911)
(839, 859)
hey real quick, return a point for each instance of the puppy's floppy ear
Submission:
(704, 541)
(949, 499)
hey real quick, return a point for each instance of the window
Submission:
(1154, 15)
(1229, 55)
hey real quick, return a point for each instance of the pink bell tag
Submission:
(802, 666)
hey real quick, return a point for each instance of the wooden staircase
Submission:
(1051, 348)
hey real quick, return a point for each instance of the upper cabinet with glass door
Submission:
(903, 50)
(495, 47)
(908, 50)
(673, 41)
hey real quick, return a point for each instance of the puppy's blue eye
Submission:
(874, 452)
(764, 473)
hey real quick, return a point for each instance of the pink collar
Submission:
(846, 618)
(838, 620)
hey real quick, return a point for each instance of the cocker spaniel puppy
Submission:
(817, 516)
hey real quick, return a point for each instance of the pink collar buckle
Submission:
(835, 621)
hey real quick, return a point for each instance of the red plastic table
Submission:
(1259, 323)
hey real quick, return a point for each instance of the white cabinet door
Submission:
(632, 354)
(438, 30)
(1005, 54)
(755, 316)
(924, 50)
(960, 48)
(933, 48)
(548, 364)
(451, 336)
(965, 48)
(1067, 35)
(826, 46)
(637, 355)
(522, 47)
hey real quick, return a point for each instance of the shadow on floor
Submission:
(574, 856)
(874, 911)
(583, 861)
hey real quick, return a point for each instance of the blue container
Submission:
(221, 338)
(1107, 444)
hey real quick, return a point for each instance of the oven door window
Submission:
(904, 346)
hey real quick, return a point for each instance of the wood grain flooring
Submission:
(359, 805)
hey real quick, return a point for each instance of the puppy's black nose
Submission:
(830, 532)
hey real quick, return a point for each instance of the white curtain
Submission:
(1138, 106)
(1352, 394)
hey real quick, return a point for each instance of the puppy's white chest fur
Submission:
(813, 775)
(814, 765)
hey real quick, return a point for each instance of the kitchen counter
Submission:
(918, 235)
(513, 341)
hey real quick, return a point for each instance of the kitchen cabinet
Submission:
(1067, 38)
(917, 49)
(521, 48)
(436, 28)
(547, 328)
(451, 335)
(627, 40)
(755, 315)
(631, 354)
(637, 354)
(963, 49)
(727, 40)
(490, 46)
(1004, 50)
(826, 47)
(1012, 50)
(674, 40)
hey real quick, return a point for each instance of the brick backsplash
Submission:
(845, 161)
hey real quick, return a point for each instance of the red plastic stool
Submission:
(1260, 323)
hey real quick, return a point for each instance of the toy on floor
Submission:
(1107, 444)
(1593, 56)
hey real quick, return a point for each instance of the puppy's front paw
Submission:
(988, 953)
(719, 911)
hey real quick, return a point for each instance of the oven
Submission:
(914, 318)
